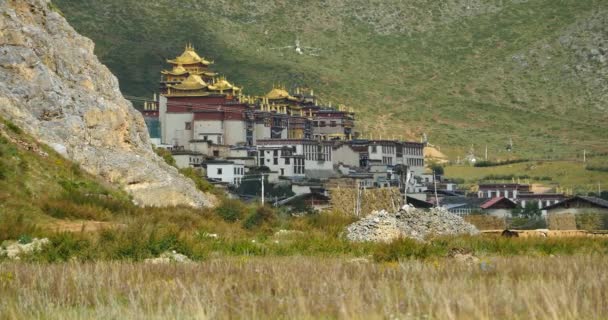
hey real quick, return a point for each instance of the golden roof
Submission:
(193, 82)
(177, 71)
(189, 57)
(222, 84)
(279, 93)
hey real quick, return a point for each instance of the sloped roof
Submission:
(492, 202)
(593, 200)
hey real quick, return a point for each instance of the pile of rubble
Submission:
(383, 226)
(17, 249)
(169, 257)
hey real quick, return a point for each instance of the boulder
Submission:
(53, 86)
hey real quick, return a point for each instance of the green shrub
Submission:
(591, 221)
(231, 210)
(62, 209)
(262, 215)
(166, 155)
(3, 170)
(25, 239)
(13, 127)
(498, 163)
(65, 246)
(200, 182)
(404, 248)
(13, 226)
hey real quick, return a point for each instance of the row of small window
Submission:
(317, 152)
(415, 162)
(387, 160)
(391, 150)
(414, 151)
(298, 166)
(317, 124)
(195, 160)
(237, 171)
(237, 180)
(388, 149)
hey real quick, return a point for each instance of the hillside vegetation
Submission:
(471, 72)
(563, 176)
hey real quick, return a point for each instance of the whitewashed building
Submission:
(296, 157)
(225, 171)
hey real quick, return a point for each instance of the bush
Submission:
(13, 127)
(437, 168)
(64, 246)
(62, 209)
(404, 248)
(591, 221)
(498, 163)
(596, 168)
(166, 155)
(200, 182)
(262, 215)
(231, 210)
(13, 226)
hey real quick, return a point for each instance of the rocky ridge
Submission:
(55, 88)
(383, 226)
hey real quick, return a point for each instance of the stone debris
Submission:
(169, 257)
(15, 250)
(383, 226)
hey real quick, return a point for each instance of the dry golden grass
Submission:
(301, 288)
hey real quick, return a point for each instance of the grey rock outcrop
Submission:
(54, 87)
(383, 226)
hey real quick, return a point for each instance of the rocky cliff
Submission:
(53, 86)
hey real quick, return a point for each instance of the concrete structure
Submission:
(500, 207)
(543, 199)
(296, 157)
(578, 205)
(187, 159)
(507, 190)
(225, 171)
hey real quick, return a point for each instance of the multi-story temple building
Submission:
(289, 131)
(198, 106)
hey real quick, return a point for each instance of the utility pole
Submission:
(357, 198)
(585, 155)
(435, 184)
(486, 152)
(262, 180)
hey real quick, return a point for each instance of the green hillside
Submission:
(38, 188)
(464, 72)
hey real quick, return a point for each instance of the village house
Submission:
(224, 171)
(499, 206)
(577, 205)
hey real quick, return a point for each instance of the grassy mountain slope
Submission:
(40, 188)
(466, 72)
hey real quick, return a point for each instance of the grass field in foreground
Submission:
(304, 288)
(565, 174)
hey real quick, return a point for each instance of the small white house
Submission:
(187, 159)
(225, 171)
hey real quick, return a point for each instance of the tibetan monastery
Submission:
(198, 106)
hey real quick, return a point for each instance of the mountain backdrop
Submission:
(465, 72)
